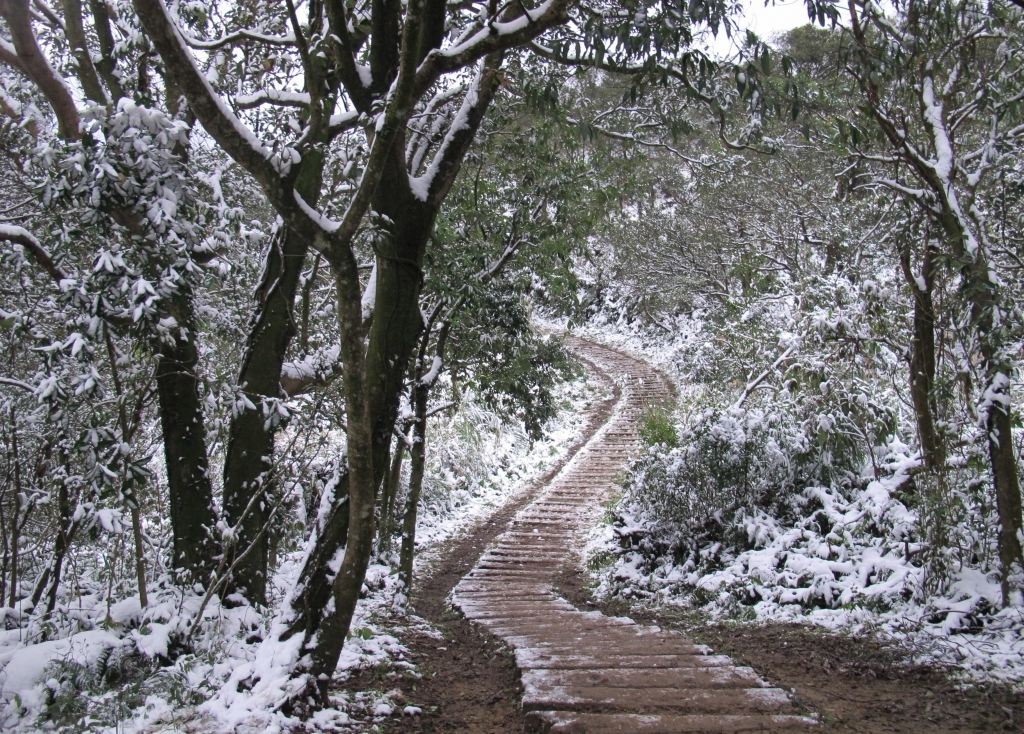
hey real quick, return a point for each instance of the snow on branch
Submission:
(753, 384)
(17, 383)
(35, 66)
(21, 236)
(10, 57)
(339, 123)
(278, 97)
(322, 221)
(237, 140)
(497, 36)
(435, 182)
(239, 37)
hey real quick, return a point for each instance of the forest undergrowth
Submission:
(113, 666)
(749, 515)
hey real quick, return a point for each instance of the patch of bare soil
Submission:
(468, 682)
(854, 684)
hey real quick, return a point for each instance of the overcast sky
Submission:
(765, 21)
(782, 16)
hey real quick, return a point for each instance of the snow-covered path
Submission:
(583, 671)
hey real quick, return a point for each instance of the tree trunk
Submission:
(392, 337)
(49, 582)
(140, 557)
(982, 293)
(1004, 470)
(922, 358)
(313, 590)
(184, 431)
(11, 547)
(250, 450)
(417, 462)
(374, 369)
(387, 501)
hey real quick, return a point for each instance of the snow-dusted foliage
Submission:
(804, 498)
(856, 557)
(831, 457)
(117, 665)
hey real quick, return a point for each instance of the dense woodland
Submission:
(274, 273)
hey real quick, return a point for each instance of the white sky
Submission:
(783, 15)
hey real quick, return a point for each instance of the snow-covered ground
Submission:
(116, 670)
(848, 559)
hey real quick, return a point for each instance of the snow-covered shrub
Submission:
(724, 462)
(105, 693)
(812, 546)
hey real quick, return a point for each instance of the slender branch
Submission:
(10, 57)
(17, 383)
(237, 38)
(37, 67)
(106, 64)
(440, 409)
(26, 239)
(75, 33)
(344, 55)
(48, 13)
(753, 384)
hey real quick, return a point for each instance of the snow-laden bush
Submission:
(852, 558)
(726, 461)
(838, 549)
(739, 459)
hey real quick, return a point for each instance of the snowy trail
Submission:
(583, 671)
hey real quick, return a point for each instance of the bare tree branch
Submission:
(26, 239)
(38, 69)
(496, 37)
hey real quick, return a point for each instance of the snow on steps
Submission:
(583, 671)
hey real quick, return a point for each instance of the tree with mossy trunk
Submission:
(402, 72)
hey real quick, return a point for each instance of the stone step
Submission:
(524, 547)
(552, 612)
(524, 627)
(725, 677)
(558, 722)
(513, 553)
(606, 642)
(534, 659)
(497, 592)
(516, 557)
(652, 700)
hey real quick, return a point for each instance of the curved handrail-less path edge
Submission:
(583, 671)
